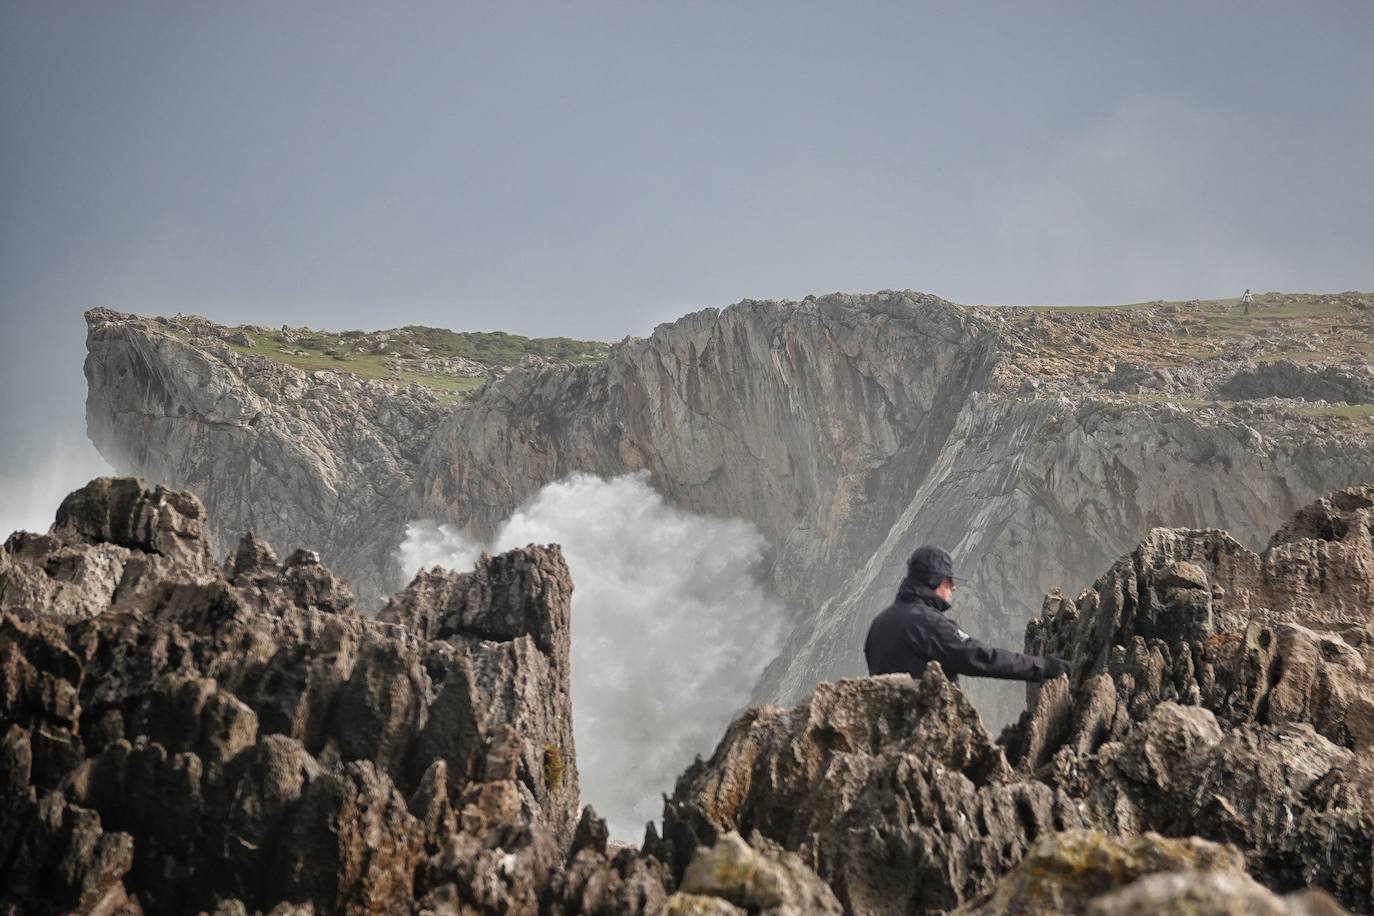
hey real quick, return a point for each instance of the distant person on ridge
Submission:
(914, 630)
(1245, 300)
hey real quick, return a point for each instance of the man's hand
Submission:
(1054, 666)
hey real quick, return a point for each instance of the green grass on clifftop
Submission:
(490, 348)
(398, 355)
(497, 348)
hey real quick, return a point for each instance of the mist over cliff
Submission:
(671, 627)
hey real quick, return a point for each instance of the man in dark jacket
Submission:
(914, 630)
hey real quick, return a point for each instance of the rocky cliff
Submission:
(305, 437)
(1036, 444)
(300, 457)
(183, 736)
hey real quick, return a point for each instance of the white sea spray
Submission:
(671, 628)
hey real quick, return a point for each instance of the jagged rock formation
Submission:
(1215, 693)
(754, 877)
(1038, 445)
(181, 735)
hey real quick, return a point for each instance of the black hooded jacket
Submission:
(914, 630)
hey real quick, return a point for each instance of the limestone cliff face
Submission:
(849, 429)
(817, 421)
(318, 458)
(1034, 493)
(853, 429)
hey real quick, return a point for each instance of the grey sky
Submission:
(592, 169)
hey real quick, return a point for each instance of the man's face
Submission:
(946, 589)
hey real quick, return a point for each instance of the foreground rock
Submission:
(181, 735)
(1086, 872)
(1215, 693)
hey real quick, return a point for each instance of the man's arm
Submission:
(959, 653)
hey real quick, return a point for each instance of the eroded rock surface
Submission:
(181, 736)
(185, 736)
(1215, 693)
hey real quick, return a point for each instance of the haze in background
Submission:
(671, 628)
(592, 169)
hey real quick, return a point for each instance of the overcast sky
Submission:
(592, 169)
